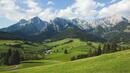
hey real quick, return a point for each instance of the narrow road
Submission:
(13, 68)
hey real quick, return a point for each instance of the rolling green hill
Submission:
(108, 63)
(73, 46)
(26, 46)
(59, 62)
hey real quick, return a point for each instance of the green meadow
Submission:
(106, 63)
(59, 62)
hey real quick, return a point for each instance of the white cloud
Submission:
(33, 10)
(47, 14)
(68, 12)
(81, 8)
(50, 3)
(120, 8)
(10, 10)
(85, 8)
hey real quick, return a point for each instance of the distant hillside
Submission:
(6, 36)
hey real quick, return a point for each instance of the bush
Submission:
(65, 51)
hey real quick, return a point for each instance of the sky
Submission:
(11, 11)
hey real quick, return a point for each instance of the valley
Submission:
(69, 46)
(107, 63)
(64, 36)
(49, 56)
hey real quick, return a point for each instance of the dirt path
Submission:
(13, 68)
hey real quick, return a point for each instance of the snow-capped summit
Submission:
(36, 25)
(106, 21)
(22, 22)
(34, 20)
(113, 20)
(82, 24)
(32, 26)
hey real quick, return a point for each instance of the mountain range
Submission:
(99, 29)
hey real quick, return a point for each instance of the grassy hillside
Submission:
(27, 64)
(118, 62)
(60, 45)
(59, 62)
(31, 47)
(73, 46)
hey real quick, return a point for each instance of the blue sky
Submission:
(12, 11)
(58, 4)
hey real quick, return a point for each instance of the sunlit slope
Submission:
(73, 46)
(118, 62)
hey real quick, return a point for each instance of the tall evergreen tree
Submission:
(113, 47)
(106, 48)
(17, 57)
(7, 59)
(99, 50)
(12, 57)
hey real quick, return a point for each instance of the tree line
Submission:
(12, 57)
(107, 48)
(15, 56)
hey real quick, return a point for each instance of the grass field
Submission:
(74, 48)
(59, 62)
(29, 63)
(118, 62)
(5, 45)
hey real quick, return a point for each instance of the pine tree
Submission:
(7, 59)
(11, 60)
(17, 57)
(90, 53)
(113, 47)
(106, 48)
(12, 57)
(99, 50)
